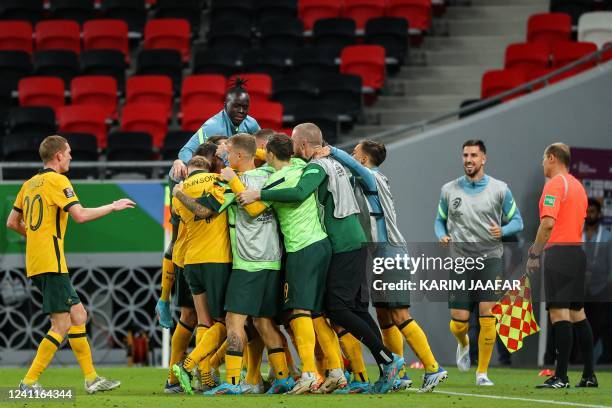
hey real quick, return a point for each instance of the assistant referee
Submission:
(563, 207)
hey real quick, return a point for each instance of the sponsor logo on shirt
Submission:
(549, 201)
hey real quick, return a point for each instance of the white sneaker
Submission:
(483, 380)
(32, 387)
(252, 389)
(463, 357)
(101, 384)
(306, 383)
(334, 380)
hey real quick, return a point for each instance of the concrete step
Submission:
(442, 72)
(505, 3)
(466, 57)
(511, 12)
(487, 27)
(470, 42)
(402, 116)
(418, 101)
(439, 87)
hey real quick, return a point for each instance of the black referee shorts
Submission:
(345, 278)
(564, 275)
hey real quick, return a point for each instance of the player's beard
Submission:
(473, 172)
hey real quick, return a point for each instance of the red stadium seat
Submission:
(95, 90)
(168, 33)
(366, 61)
(497, 81)
(146, 117)
(84, 119)
(548, 28)
(58, 35)
(269, 115)
(41, 91)
(195, 114)
(259, 86)
(527, 57)
(16, 36)
(564, 53)
(203, 88)
(107, 35)
(310, 11)
(363, 10)
(149, 89)
(417, 12)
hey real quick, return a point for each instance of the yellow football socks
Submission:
(352, 349)
(459, 328)
(178, 346)
(233, 366)
(200, 330)
(328, 341)
(417, 340)
(77, 337)
(486, 341)
(278, 361)
(393, 339)
(304, 335)
(219, 357)
(167, 279)
(209, 342)
(46, 350)
(254, 349)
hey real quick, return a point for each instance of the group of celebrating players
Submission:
(282, 243)
(271, 230)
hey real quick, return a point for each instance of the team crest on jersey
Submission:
(68, 192)
(456, 203)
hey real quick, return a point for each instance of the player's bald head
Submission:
(309, 133)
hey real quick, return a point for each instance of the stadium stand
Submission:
(146, 117)
(107, 35)
(16, 36)
(58, 35)
(131, 11)
(168, 33)
(41, 91)
(28, 10)
(203, 88)
(84, 119)
(595, 27)
(96, 90)
(77, 10)
(356, 57)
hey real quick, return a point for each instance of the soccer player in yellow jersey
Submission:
(207, 264)
(40, 213)
(173, 274)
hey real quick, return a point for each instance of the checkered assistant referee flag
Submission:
(515, 319)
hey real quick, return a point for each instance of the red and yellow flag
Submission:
(515, 319)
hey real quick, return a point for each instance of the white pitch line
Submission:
(573, 404)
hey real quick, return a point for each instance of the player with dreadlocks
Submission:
(232, 119)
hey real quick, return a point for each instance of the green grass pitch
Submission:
(142, 387)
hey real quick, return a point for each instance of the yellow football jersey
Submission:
(180, 246)
(207, 238)
(44, 201)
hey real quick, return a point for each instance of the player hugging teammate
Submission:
(279, 244)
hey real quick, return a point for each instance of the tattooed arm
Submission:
(190, 203)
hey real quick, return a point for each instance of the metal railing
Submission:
(485, 103)
(161, 167)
